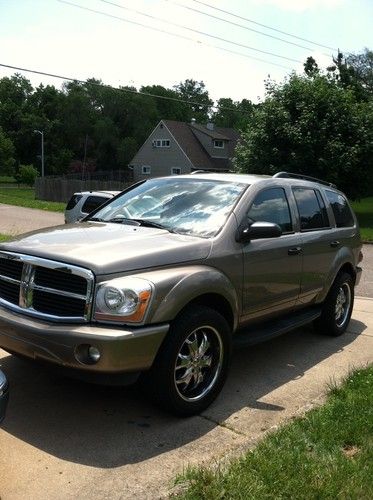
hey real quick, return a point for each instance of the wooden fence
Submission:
(60, 189)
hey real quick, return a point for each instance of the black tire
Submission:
(188, 372)
(337, 308)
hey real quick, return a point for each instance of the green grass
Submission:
(364, 212)
(25, 197)
(7, 179)
(328, 454)
(4, 237)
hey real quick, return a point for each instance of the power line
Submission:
(120, 89)
(180, 36)
(240, 25)
(194, 30)
(264, 25)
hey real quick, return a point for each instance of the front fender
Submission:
(175, 288)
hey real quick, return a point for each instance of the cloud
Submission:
(302, 5)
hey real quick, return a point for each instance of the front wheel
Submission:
(337, 308)
(192, 365)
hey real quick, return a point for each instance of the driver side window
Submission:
(271, 205)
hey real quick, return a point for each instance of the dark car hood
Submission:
(110, 248)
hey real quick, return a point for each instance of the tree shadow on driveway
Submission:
(111, 426)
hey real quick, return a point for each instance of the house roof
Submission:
(183, 133)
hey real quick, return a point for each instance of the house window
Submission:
(218, 144)
(161, 143)
(175, 171)
(146, 170)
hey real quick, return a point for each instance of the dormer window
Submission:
(219, 144)
(161, 143)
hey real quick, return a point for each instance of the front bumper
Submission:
(122, 349)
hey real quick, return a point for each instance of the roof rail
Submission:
(200, 171)
(290, 175)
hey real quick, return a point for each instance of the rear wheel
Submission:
(192, 365)
(337, 308)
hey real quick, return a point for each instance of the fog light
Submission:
(87, 354)
(94, 354)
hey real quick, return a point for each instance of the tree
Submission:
(233, 114)
(6, 155)
(27, 174)
(194, 92)
(311, 126)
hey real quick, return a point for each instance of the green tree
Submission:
(7, 161)
(311, 126)
(27, 174)
(200, 102)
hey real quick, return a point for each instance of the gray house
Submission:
(179, 148)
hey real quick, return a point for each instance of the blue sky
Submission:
(58, 38)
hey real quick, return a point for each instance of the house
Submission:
(179, 148)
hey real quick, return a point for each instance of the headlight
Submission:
(123, 299)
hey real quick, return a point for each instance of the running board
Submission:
(254, 334)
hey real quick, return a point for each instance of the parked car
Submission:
(213, 260)
(4, 395)
(82, 204)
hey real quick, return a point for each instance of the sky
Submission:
(58, 38)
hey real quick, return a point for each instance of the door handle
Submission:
(335, 244)
(294, 251)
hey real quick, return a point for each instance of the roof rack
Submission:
(290, 175)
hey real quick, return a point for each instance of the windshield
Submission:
(183, 205)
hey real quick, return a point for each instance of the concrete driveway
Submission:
(18, 220)
(64, 439)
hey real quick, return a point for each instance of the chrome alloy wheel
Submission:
(198, 363)
(342, 304)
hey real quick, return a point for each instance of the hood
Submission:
(110, 248)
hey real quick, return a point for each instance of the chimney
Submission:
(210, 126)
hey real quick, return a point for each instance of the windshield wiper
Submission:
(133, 222)
(150, 223)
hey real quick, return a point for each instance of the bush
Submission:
(27, 175)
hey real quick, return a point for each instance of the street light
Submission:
(41, 132)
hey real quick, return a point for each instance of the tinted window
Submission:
(311, 209)
(341, 210)
(271, 206)
(92, 202)
(73, 201)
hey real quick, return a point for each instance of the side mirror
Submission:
(259, 230)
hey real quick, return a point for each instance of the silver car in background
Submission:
(83, 203)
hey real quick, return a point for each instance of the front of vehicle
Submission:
(88, 296)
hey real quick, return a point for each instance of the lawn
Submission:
(327, 454)
(4, 237)
(25, 197)
(364, 213)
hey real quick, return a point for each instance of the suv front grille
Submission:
(45, 288)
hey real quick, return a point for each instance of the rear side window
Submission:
(311, 208)
(73, 201)
(271, 205)
(92, 202)
(342, 212)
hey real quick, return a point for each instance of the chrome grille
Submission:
(44, 288)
